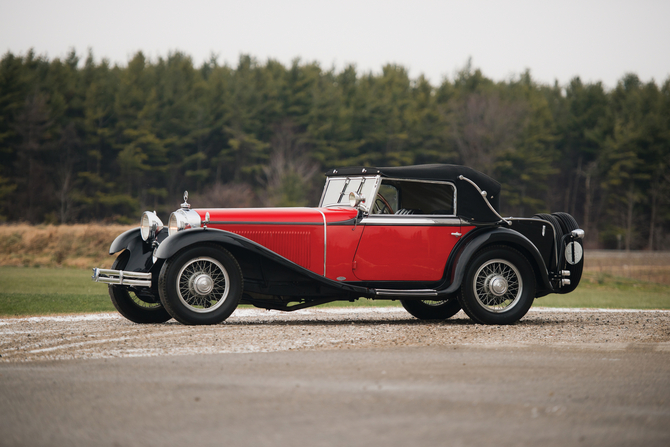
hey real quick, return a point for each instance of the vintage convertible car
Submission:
(430, 236)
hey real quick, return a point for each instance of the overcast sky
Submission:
(596, 40)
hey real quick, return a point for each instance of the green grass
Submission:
(610, 292)
(44, 291)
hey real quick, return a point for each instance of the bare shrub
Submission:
(230, 195)
(287, 177)
(484, 126)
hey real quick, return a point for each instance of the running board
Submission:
(406, 293)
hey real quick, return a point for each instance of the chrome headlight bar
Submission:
(183, 219)
(150, 225)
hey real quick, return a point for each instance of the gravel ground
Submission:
(316, 329)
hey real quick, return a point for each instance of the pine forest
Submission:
(87, 141)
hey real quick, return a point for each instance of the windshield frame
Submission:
(369, 183)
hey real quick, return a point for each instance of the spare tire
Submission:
(564, 223)
(555, 222)
(567, 221)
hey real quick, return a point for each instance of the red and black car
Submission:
(430, 236)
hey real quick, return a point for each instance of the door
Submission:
(405, 248)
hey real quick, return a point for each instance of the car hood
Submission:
(283, 216)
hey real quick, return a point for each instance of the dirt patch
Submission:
(252, 330)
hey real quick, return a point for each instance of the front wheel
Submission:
(499, 286)
(137, 309)
(432, 309)
(201, 285)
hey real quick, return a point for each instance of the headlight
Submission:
(183, 220)
(150, 225)
(173, 224)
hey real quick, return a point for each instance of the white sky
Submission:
(597, 40)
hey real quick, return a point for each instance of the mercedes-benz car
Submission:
(430, 236)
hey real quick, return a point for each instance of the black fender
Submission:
(124, 240)
(495, 236)
(183, 239)
(140, 252)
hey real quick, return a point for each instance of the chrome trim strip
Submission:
(419, 220)
(325, 240)
(410, 292)
(122, 277)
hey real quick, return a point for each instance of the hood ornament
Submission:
(186, 205)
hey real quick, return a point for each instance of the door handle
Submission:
(456, 234)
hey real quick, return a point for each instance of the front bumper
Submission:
(122, 277)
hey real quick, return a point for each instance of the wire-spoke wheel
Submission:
(499, 286)
(201, 285)
(432, 309)
(137, 308)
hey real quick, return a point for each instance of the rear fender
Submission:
(497, 236)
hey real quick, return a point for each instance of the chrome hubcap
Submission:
(203, 284)
(497, 285)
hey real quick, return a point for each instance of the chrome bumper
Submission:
(122, 277)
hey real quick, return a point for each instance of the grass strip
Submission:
(45, 291)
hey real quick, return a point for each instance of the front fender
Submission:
(498, 236)
(140, 252)
(183, 239)
(125, 239)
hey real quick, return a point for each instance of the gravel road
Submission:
(332, 377)
(253, 330)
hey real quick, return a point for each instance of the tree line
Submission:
(84, 141)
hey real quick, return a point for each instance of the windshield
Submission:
(337, 189)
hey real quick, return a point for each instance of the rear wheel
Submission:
(201, 285)
(499, 286)
(138, 309)
(432, 309)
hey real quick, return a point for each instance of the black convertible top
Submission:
(470, 204)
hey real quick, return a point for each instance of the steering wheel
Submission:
(382, 206)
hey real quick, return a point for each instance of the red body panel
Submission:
(342, 244)
(298, 234)
(404, 253)
(352, 252)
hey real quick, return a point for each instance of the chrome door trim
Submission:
(419, 220)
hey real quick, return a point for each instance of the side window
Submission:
(387, 200)
(423, 198)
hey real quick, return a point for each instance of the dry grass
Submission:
(637, 265)
(81, 246)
